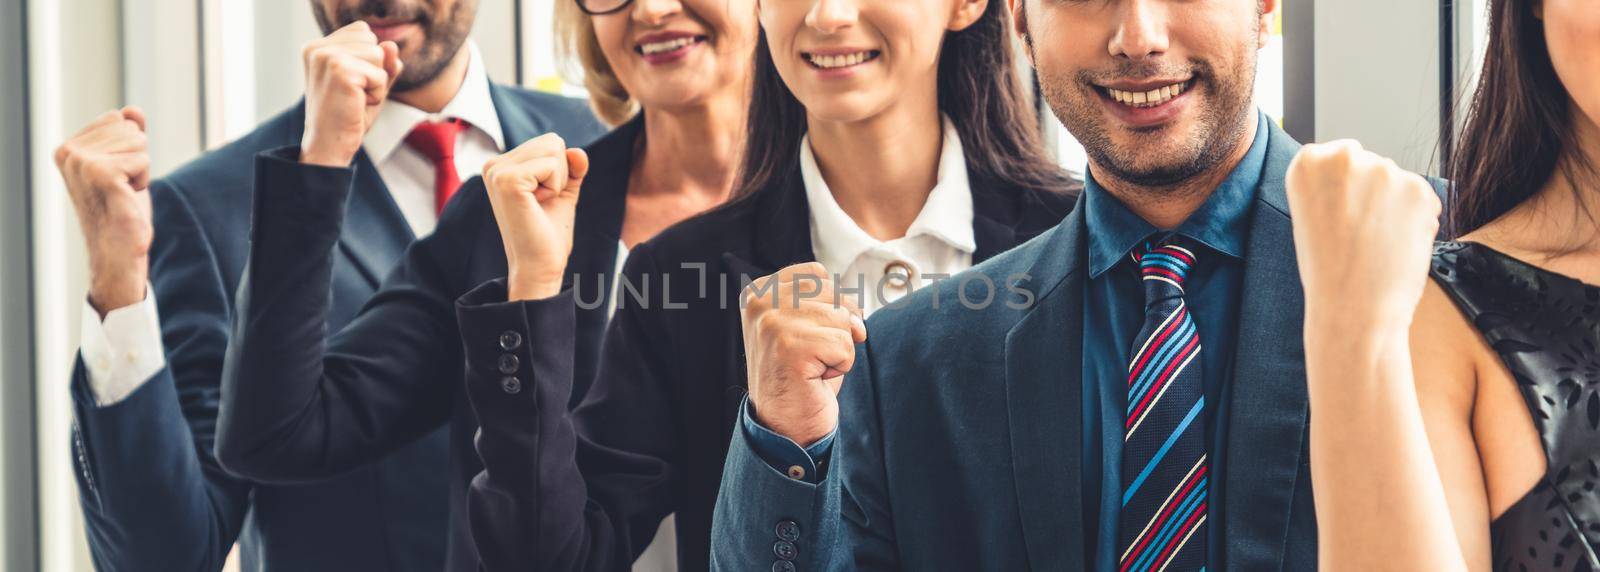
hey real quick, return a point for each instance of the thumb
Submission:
(135, 114)
(577, 168)
(391, 61)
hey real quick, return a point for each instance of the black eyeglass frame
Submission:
(583, 5)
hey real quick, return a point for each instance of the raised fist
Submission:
(107, 169)
(534, 192)
(348, 76)
(1363, 230)
(800, 339)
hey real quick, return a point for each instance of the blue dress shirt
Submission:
(1113, 314)
(782, 453)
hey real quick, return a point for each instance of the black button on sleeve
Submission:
(511, 385)
(788, 530)
(509, 363)
(510, 340)
(783, 566)
(784, 550)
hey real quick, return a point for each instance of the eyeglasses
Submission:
(599, 7)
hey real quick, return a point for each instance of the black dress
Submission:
(1546, 328)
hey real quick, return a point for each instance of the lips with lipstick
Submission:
(666, 46)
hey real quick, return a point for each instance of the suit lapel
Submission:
(994, 216)
(1044, 395)
(516, 123)
(1268, 402)
(779, 236)
(375, 233)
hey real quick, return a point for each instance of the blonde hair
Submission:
(576, 43)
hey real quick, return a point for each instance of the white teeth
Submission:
(653, 48)
(1150, 98)
(838, 61)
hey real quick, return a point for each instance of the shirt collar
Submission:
(1221, 222)
(947, 215)
(472, 103)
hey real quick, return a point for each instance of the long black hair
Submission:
(1518, 133)
(978, 90)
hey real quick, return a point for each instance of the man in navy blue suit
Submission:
(165, 264)
(1125, 392)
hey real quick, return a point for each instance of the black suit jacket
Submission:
(587, 490)
(959, 438)
(300, 404)
(152, 494)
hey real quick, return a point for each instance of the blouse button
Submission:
(897, 275)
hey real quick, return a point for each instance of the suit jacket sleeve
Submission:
(843, 523)
(153, 496)
(562, 490)
(298, 405)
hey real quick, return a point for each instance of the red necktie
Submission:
(436, 140)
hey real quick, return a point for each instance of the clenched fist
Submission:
(1363, 231)
(799, 339)
(348, 76)
(534, 192)
(107, 169)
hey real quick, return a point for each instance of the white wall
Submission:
(1377, 77)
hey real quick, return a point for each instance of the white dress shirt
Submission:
(125, 349)
(938, 244)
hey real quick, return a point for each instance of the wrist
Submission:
(803, 434)
(325, 159)
(524, 290)
(112, 289)
(1352, 334)
(522, 285)
(317, 152)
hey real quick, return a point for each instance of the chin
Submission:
(847, 107)
(671, 97)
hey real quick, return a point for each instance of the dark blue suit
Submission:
(153, 495)
(960, 442)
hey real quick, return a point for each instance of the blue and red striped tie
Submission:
(1164, 466)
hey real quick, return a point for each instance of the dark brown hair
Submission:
(1518, 132)
(978, 89)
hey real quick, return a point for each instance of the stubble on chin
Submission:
(1158, 161)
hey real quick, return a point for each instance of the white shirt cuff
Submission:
(123, 351)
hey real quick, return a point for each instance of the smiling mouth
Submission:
(1150, 98)
(840, 61)
(668, 46)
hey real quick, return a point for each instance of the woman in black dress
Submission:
(1456, 422)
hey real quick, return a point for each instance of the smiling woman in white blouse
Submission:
(889, 140)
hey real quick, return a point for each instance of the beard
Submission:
(1162, 156)
(443, 34)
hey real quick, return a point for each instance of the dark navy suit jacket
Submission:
(959, 446)
(154, 497)
(303, 401)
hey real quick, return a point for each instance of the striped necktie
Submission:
(1164, 467)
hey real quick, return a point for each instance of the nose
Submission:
(830, 16)
(655, 12)
(1141, 30)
